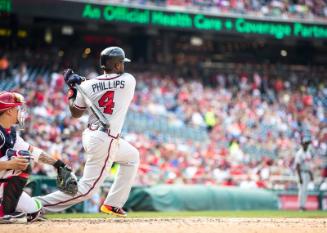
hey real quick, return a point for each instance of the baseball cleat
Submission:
(36, 217)
(15, 218)
(119, 212)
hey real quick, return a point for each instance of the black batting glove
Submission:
(72, 79)
(67, 73)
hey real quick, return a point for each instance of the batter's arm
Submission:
(76, 102)
(75, 110)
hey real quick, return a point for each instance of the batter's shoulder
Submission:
(129, 77)
(87, 82)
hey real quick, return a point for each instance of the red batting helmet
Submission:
(10, 100)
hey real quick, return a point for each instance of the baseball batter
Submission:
(17, 206)
(112, 94)
(303, 159)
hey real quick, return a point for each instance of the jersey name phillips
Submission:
(105, 85)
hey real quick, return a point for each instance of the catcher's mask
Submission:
(21, 116)
(10, 100)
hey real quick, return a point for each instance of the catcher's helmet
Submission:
(10, 100)
(112, 55)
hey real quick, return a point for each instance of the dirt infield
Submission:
(173, 225)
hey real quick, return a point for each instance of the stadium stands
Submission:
(188, 132)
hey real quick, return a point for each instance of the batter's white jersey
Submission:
(112, 93)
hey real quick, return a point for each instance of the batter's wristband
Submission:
(72, 93)
(59, 164)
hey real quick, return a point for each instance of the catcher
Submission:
(16, 155)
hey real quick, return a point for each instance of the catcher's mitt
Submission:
(67, 181)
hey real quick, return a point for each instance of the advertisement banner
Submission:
(290, 202)
(158, 17)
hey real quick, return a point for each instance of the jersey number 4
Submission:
(107, 102)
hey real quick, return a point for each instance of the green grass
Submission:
(212, 214)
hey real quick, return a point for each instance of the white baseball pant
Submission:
(101, 151)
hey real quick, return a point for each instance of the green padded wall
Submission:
(200, 197)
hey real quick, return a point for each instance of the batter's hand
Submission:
(72, 79)
(17, 163)
(67, 74)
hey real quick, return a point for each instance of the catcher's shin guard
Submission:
(13, 189)
(1, 211)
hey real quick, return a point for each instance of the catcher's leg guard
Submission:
(1, 211)
(12, 191)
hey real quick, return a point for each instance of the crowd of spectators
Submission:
(242, 111)
(286, 9)
(253, 120)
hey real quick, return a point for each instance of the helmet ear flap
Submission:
(103, 60)
(108, 63)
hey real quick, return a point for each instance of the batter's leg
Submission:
(127, 157)
(98, 147)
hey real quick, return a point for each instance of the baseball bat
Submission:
(96, 111)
